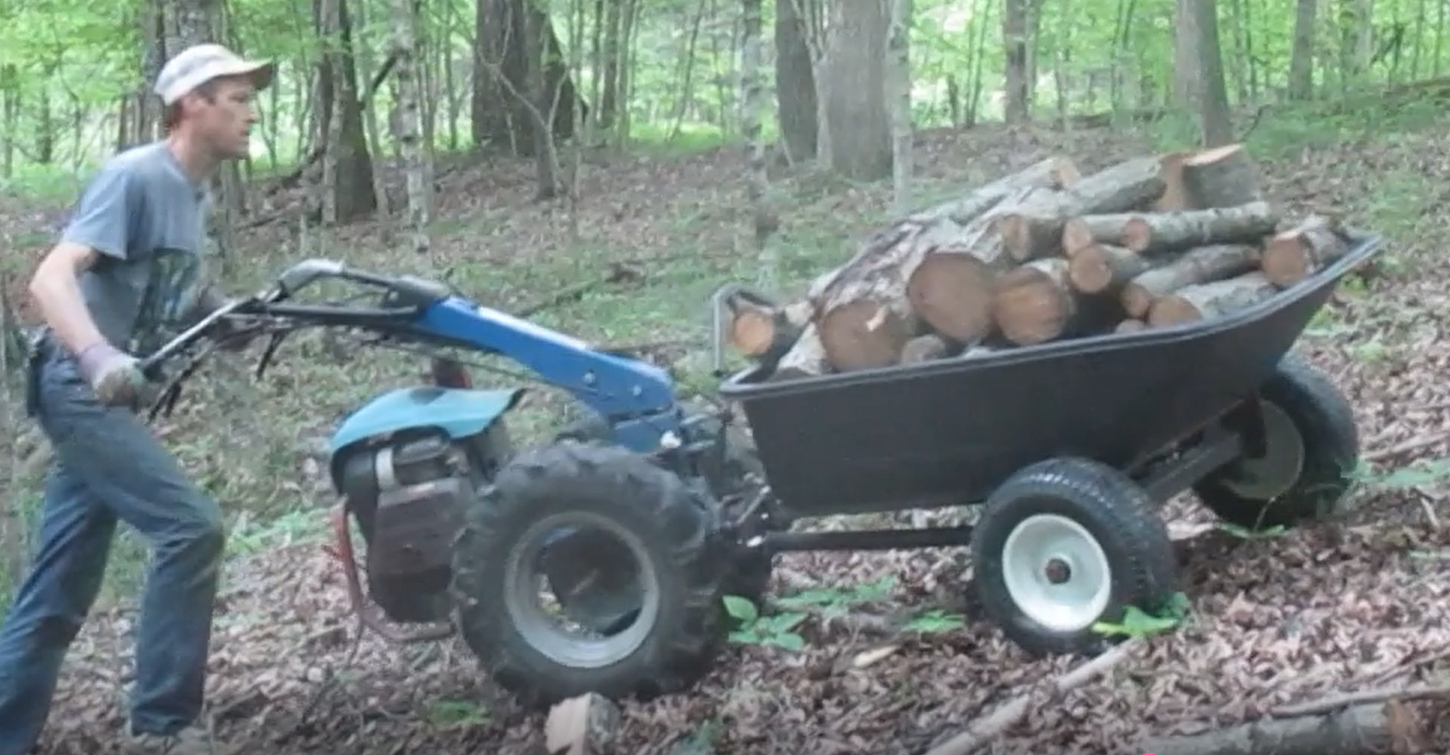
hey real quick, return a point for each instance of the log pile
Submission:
(1046, 254)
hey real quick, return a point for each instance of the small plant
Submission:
(1244, 533)
(1139, 623)
(754, 629)
(832, 603)
(935, 620)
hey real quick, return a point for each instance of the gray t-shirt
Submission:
(146, 218)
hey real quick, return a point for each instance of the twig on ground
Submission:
(1327, 728)
(1408, 446)
(1360, 697)
(985, 729)
(1409, 665)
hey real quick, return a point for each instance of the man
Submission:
(124, 278)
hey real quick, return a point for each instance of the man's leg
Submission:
(51, 605)
(123, 465)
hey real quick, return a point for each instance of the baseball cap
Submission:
(199, 64)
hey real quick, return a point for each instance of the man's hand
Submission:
(114, 375)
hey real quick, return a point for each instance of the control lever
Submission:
(151, 365)
(303, 273)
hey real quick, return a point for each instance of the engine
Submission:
(407, 497)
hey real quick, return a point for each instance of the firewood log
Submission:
(1200, 265)
(1213, 299)
(1159, 232)
(1293, 255)
(1097, 268)
(1221, 177)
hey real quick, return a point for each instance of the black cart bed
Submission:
(950, 432)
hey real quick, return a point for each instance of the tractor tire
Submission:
(1311, 451)
(750, 572)
(674, 631)
(1066, 526)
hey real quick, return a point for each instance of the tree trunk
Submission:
(898, 92)
(416, 162)
(1301, 59)
(860, 130)
(795, 85)
(609, 89)
(1213, 111)
(349, 195)
(753, 103)
(1015, 43)
(1187, 76)
(504, 46)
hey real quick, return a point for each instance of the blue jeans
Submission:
(109, 468)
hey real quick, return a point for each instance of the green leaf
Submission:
(741, 609)
(789, 641)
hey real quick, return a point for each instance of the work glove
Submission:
(115, 376)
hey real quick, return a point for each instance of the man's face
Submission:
(224, 123)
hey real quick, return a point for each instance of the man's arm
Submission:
(56, 290)
(101, 225)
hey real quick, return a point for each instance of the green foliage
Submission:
(70, 67)
(755, 629)
(1139, 623)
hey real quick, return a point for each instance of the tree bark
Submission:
(795, 84)
(1200, 265)
(1214, 299)
(860, 129)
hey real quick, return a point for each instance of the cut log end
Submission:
(1033, 303)
(863, 334)
(1102, 267)
(1295, 254)
(1221, 177)
(952, 292)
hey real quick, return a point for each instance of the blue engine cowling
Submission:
(406, 463)
(455, 412)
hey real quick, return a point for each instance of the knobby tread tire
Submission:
(678, 528)
(1121, 516)
(749, 575)
(1325, 421)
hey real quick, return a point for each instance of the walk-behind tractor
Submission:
(641, 517)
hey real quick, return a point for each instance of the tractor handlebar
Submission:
(403, 300)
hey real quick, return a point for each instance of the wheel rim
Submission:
(1273, 474)
(1056, 572)
(589, 648)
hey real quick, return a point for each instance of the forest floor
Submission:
(1274, 620)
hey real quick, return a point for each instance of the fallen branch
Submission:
(984, 730)
(1409, 446)
(1379, 727)
(1360, 697)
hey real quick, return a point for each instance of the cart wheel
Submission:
(1064, 544)
(1311, 449)
(636, 547)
